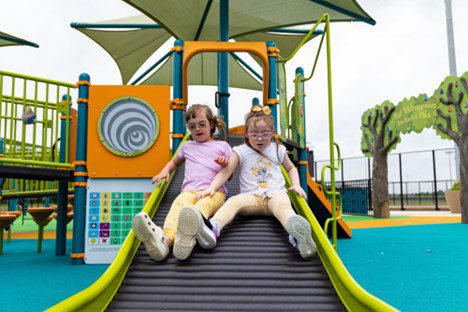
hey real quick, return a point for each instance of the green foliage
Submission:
(366, 132)
(442, 94)
(456, 186)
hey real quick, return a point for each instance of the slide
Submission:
(253, 268)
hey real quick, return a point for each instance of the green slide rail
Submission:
(353, 296)
(97, 296)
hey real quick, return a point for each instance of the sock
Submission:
(292, 241)
(215, 228)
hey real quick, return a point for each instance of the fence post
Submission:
(342, 173)
(402, 207)
(435, 181)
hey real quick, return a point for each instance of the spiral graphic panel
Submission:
(128, 126)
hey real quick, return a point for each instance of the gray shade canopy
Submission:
(202, 70)
(199, 20)
(9, 40)
(129, 48)
(184, 18)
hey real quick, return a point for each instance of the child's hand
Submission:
(298, 189)
(204, 193)
(162, 175)
(223, 161)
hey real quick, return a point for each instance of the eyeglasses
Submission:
(200, 125)
(256, 136)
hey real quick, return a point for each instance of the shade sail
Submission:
(129, 48)
(9, 40)
(202, 70)
(184, 19)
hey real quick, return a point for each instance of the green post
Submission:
(62, 194)
(79, 218)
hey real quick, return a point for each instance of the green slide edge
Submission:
(99, 294)
(353, 296)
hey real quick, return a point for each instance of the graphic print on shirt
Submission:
(262, 171)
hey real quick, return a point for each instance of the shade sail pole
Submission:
(223, 68)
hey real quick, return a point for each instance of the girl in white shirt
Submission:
(262, 185)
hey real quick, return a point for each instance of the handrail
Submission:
(353, 296)
(98, 296)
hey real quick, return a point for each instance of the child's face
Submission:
(200, 127)
(259, 135)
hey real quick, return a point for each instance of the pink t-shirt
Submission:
(200, 167)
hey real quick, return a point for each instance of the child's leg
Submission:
(241, 203)
(208, 205)
(185, 198)
(295, 225)
(281, 208)
(193, 225)
(206, 208)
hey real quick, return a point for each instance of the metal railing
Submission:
(30, 117)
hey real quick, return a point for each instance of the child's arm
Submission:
(166, 171)
(221, 177)
(293, 176)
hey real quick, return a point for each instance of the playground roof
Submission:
(131, 47)
(259, 20)
(203, 71)
(200, 19)
(9, 40)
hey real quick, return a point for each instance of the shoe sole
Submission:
(143, 231)
(300, 229)
(187, 229)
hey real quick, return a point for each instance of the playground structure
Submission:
(111, 180)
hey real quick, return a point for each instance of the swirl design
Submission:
(129, 126)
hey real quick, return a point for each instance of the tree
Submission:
(377, 141)
(453, 124)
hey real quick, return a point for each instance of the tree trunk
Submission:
(463, 148)
(380, 202)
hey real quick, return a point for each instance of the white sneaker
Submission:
(151, 236)
(207, 236)
(299, 228)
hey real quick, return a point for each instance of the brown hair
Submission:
(216, 121)
(251, 120)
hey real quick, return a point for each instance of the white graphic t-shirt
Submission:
(258, 174)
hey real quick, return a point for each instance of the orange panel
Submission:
(104, 164)
(192, 48)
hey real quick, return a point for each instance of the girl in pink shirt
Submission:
(204, 157)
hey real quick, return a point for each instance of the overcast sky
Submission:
(403, 55)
